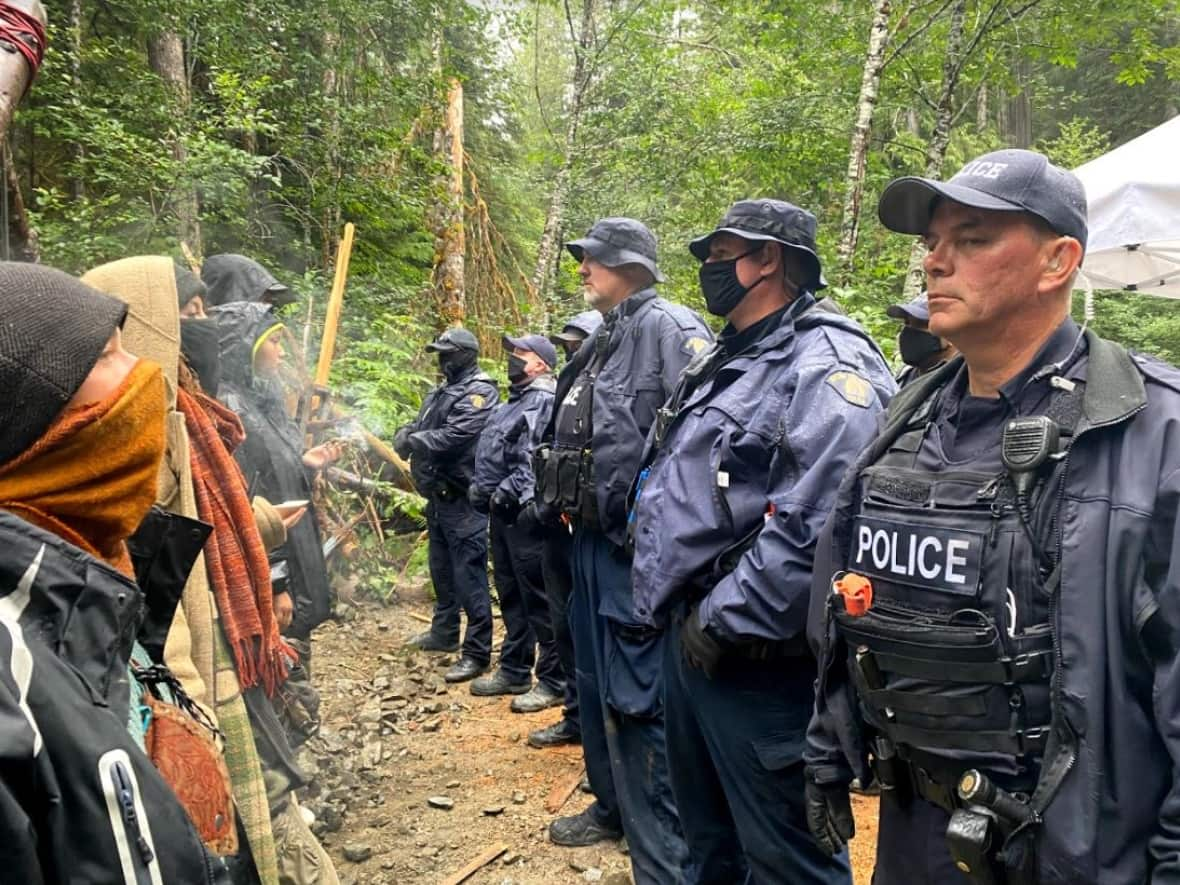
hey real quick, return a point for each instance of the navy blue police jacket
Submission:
(503, 459)
(1115, 815)
(757, 449)
(652, 340)
(446, 432)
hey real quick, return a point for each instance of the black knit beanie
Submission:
(188, 285)
(53, 329)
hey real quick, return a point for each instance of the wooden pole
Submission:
(335, 302)
(475, 866)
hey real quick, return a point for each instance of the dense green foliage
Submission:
(303, 116)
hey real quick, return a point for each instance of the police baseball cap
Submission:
(538, 344)
(763, 220)
(452, 340)
(579, 327)
(1003, 181)
(618, 241)
(917, 309)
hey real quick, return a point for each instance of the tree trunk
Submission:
(332, 218)
(981, 109)
(15, 73)
(77, 180)
(166, 57)
(450, 240)
(20, 237)
(952, 68)
(545, 272)
(858, 150)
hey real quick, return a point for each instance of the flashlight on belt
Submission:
(856, 591)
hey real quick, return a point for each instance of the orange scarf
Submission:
(234, 556)
(91, 479)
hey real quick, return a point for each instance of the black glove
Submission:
(417, 445)
(401, 442)
(829, 815)
(505, 506)
(477, 499)
(527, 518)
(697, 647)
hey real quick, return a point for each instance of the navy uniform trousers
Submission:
(619, 692)
(735, 750)
(559, 587)
(520, 584)
(459, 570)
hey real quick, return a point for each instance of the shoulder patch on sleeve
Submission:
(852, 387)
(478, 400)
(695, 344)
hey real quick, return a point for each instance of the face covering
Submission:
(199, 345)
(917, 346)
(455, 362)
(91, 479)
(721, 287)
(517, 369)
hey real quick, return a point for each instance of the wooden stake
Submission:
(335, 302)
(422, 618)
(475, 866)
(187, 252)
(562, 790)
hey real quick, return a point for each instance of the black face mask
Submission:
(455, 363)
(917, 346)
(199, 345)
(517, 369)
(721, 287)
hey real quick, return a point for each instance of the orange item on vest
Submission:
(857, 591)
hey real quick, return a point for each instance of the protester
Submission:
(232, 277)
(272, 456)
(440, 444)
(733, 489)
(607, 399)
(921, 351)
(83, 439)
(216, 605)
(503, 485)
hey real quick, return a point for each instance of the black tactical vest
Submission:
(954, 657)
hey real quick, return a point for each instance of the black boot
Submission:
(466, 669)
(558, 734)
(429, 642)
(499, 683)
(579, 831)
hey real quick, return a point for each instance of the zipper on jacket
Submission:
(129, 825)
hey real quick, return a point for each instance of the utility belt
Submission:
(991, 832)
(565, 482)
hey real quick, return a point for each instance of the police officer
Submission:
(736, 482)
(575, 332)
(440, 444)
(559, 579)
(607, 400)
(503, 485)
(920, 350)
(996, 596)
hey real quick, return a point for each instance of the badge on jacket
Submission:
(695, 344)
(478, 400)
(852, 387)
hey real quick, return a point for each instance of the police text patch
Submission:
(947, 560)
(852, 387)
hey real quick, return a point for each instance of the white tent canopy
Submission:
(1134, 206)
